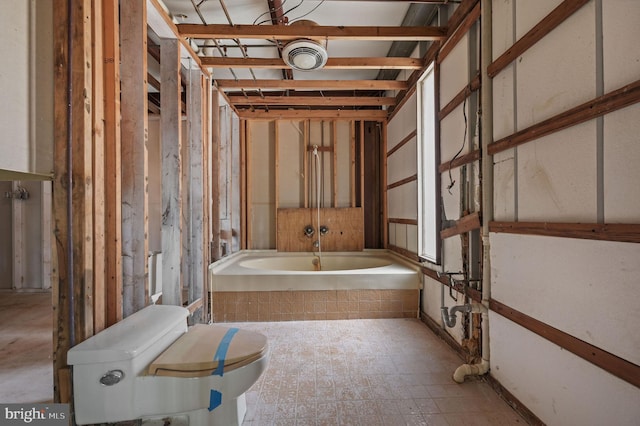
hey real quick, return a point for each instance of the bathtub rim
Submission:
(225, 275)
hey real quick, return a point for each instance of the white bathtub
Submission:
(269, 270)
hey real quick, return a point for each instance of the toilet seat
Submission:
(209, 349)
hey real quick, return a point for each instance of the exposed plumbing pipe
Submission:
(487, 192)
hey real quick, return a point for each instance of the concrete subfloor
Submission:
(26, 347)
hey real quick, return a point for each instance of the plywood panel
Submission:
(558, 72)
(557, 176)
(452, 134)
(346, 229)
(621, 154)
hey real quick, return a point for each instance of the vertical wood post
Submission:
(135, 198)
(196, 234)
(171, 124)
(112, 181)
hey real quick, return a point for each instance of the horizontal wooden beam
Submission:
(292, 32)
(463, 159)
(400, 144)
(623, 232)
(556, 17)
(382, 63)
(457, 285)
(404, 181)
(298, 114)
(404, 252)
(609, 362)
(460, 97)
(312, 100)
(464, 224)
(403, 221)
(453, 39)
(604, 104)
(312, 84)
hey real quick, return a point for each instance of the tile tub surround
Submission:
(314, 305)
(366, 372)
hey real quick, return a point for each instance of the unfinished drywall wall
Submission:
(26, 87)
(583, 173)
(281, 170)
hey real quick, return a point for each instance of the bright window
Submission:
(428, 175)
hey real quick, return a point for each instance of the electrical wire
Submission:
(464, 142)
(283, 14)
(308, 13)
(269, 11)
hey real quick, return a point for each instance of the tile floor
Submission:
(366, 372)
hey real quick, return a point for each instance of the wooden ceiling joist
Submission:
(292, 32)
(332, 63)
(301, 114)
(313, 84)
(313, 100)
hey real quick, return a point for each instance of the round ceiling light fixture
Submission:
(305, 55)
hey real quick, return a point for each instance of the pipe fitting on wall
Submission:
(449, 317)
(324, 229)
(309, 231)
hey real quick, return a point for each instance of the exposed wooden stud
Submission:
(362, 167)
(313, 84)
(249, 203)
(243, 184)
(461, 160)
(172, 168)
(460, 97)
(608, 103)
(404, 140)
(334, 162)
(215, 177)
(381, 63)
(370, 115)
(98, 196)
(404, 181)
(292, 32)
(609, 362)
(135, 202)
(113, 196)
(464, 27)
(195, 115)
(352, 156)
(276, 130)
(385, 212)
(313, 100)
(464, 224)
(556, 17)
(403, 221)
(305, 163)
(623, 232)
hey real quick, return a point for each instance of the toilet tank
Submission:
(105, 365)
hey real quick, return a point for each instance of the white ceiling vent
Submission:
(305, 55)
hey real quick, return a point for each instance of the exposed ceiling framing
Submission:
(245, 44)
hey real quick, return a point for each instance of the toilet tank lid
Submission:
(129, 337)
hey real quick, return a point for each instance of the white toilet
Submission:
(152, 366)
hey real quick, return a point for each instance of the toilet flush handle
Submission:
(112, 377)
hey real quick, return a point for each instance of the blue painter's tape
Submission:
(221, 352)
(215, 399)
